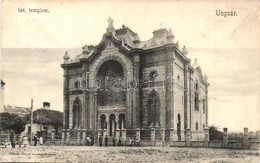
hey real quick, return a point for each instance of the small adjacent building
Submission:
(44, 120)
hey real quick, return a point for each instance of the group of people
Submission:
(90, 140)
(21, 141)
(131, 142)
(36, 139)
(100, 140)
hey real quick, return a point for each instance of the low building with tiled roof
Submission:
(44, 120)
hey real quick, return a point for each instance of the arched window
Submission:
(153, 106)
(77, 111)
(196, 98)
(197, 126)
(179, 127)
(76, 84)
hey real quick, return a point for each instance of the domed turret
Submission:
(66, 57)
(170, 36)
(184, 50)
(205, 77)
(177, 44)
(85, 49)
(136, 41)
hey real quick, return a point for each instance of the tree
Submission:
(12, 122)
(215, 134)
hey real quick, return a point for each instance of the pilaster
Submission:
(136, 91)
(65, 98)
(186, 95)
(169, 86)
(85, 104)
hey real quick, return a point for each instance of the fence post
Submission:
(187, 138)
(105, 132)
(163, 136)
(123, 135)
(99, 132)
(137, 134)
(63, 139)
(225, 137)
(117, 134)
(83, 140)
(206, 137)
(152, 136)
(175, 135)
(246, 137)
(171, 134)
(53, 135)
(68, 137)
(78, 136)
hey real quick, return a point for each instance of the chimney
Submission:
(46, 105)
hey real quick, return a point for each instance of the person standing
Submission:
(92, 140)
(106, 141)
(35, 139)
(41, 140)
(130, 142)
(120, 141)
(100, 140)
(114, 141)
(12, 139)
(20, 141)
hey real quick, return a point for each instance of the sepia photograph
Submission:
(130, 81)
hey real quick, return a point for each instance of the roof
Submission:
(158, 39)
(46, 116)
(127, 37)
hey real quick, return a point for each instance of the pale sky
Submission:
(227, 49)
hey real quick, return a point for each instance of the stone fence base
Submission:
(155, 137)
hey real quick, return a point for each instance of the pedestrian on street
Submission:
(106, 141)
(35, 139)
(100, 141)
(114, 141)
(12, 139)
(6, 143)
(41, 140)
(92, 139)
(20, 141)
(120, 141)
(131, 142)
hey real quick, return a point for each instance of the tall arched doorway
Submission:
(121, 121)
(111, 95)
(110, 91)
(179, 127)
(153, 106)
(76, 113)
(103, 124)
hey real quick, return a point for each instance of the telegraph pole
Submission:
(31, 120)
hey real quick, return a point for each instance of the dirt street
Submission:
(126, 154)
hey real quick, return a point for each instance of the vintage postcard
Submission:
(130, 81)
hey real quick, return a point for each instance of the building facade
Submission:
(126, 83)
